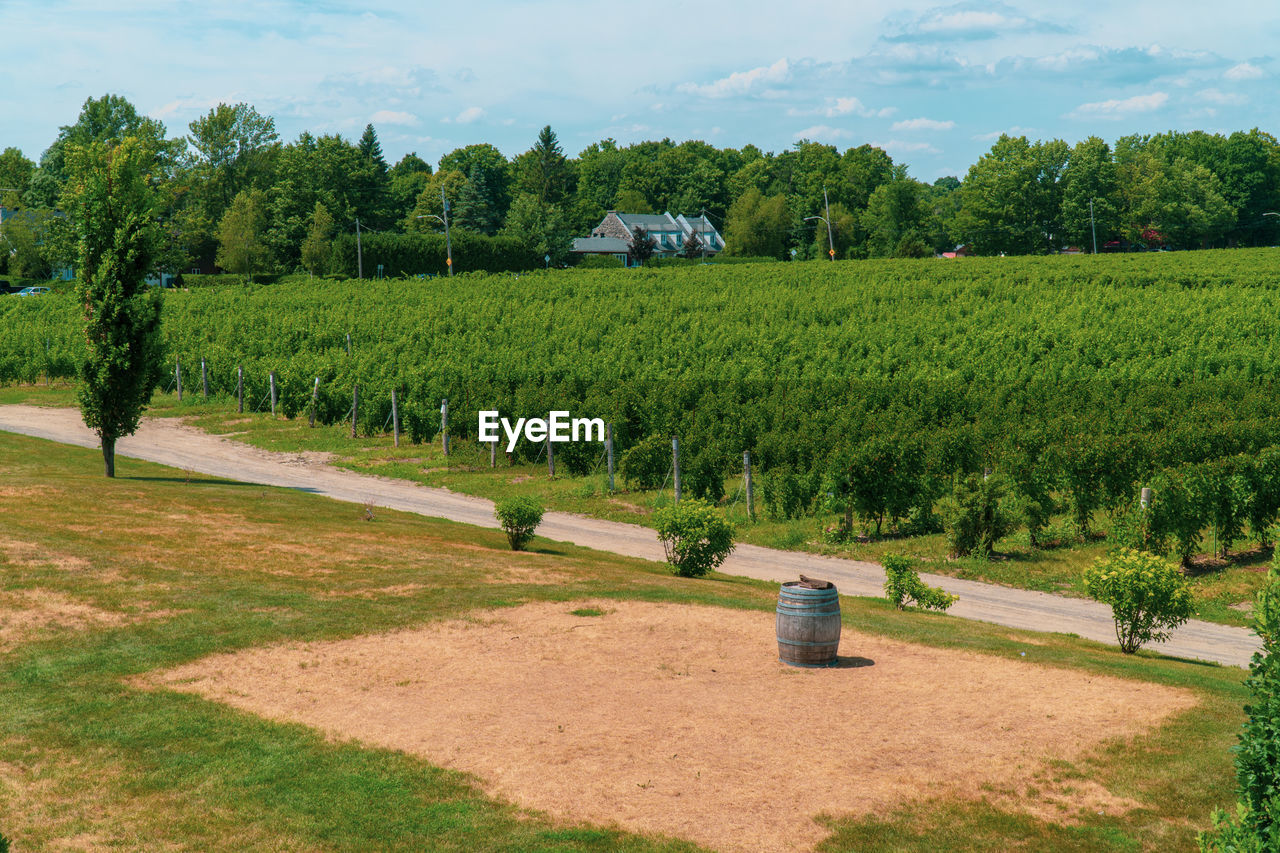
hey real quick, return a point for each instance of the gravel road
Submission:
(170, 442)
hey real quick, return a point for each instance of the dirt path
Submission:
(172, 443)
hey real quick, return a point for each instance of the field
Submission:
(864, 391)
(192, 663)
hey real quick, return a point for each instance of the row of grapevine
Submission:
(865, 386)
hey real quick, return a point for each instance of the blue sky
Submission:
(932, 84)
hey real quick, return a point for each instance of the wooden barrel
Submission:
(808, 625)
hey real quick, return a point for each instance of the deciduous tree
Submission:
(112, 205)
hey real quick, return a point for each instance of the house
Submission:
(613, 235)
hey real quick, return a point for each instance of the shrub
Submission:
(902, 586)
(647, 463)
(1148, 596)
(695, 536)
(519, 517)
(973, 516)
(1257, 821)
(4, 843)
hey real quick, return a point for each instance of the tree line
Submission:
(236, 196)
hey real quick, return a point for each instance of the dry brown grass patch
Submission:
(26, 614)
(680, 720)
(30, 555)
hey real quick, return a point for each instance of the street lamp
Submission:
(1093, 226)
(831, 243)
(448, 246)
(831, 246)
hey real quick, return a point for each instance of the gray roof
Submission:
(648, 221)
(603, 245)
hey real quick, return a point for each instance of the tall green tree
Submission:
(317, 249)
(372, 182)
(112, 205)
(757, 226)
(896, 218)
(490, 175)
(407, 178)
(242, 246)
(1011, 200)
(543, 171)
(539, 226)
(1091, 178)
(16, 172)
(233, 149)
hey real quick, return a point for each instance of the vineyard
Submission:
(876, 389)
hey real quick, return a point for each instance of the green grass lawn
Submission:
(185, 566)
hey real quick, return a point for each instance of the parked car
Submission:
(32, 291)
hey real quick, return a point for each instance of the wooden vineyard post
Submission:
(395, 418)
(493, 453)
(204, 378)
(746, 481)
(444, 425)
(177, 373)
(551, 456)
(315, 401)
(355, 407)
(240, 389)
(348, 343)
(608, 452)
(675, 464)
(1145, 500)
(272, 377)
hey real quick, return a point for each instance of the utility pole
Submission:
(448, 246)
(359, 254)
(1094, 226)
(831, 243)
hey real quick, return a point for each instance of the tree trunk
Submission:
(109, 455)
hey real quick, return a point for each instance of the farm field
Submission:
(195, 663)
(865, 393)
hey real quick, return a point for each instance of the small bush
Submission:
(4, 843)
(1148, 596)
(695, 536)
(974, 518)
(519, 517)
(646, 464)
(903, 586)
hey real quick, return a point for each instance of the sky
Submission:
(934, 85)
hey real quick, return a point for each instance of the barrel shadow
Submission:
(851, 662)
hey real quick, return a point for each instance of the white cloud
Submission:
(821, 132)
(186, 106)
(953, 21)
(844, 106)
(392, 117)
(899, 146)
(1216, 96)
(467, 116)
(922, 124)
(1243, 71)
(741, 82)
(1016, 130)
(1119, 108)
(1068, 59)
